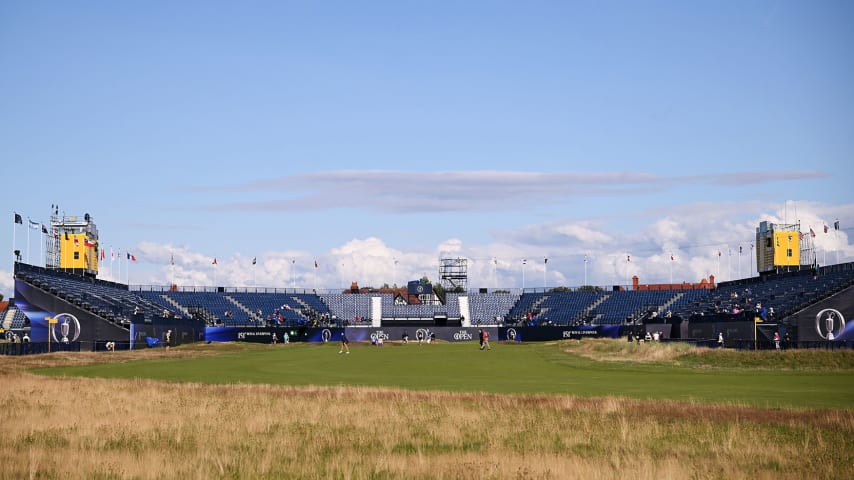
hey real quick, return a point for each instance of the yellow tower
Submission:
(782, 247)
(73, 244)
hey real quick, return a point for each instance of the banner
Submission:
(829, 315)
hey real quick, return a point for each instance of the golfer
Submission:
(345, 343)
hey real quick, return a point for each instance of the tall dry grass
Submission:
(680, 353)
(74, 428)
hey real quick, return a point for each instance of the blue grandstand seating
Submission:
(786, 293)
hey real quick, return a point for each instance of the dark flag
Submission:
(20, 220)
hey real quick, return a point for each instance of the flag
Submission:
(739, 249)
(800, 235)
(34, 225)
(757, 320)
(812, 233)
(18, 219)
(44, 229)
(524, 261)
(172, 260)
(585, 259)
(103, 254)
(132, 258)
(545, 261)
(719, 253)
(672, 258)
(628, 258)
(112, 254)
(76, 242)
(825, 229)
(254, 260)
(315, 263)
(88, 243)
(836, 225)
(214, 261)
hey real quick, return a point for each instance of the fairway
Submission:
(544, 368)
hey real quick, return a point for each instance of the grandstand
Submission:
(774, 296)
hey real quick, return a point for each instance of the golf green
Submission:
(545, 368)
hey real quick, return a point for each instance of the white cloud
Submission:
(693, 233)
(7, 284)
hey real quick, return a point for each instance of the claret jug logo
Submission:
(827, 321)
(65, 328)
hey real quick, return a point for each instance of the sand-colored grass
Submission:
(74, 428)
(679, 353)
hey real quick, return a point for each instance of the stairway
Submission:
(586, 311)
(252, 315)
(667, 304)
(175, 304)
(10, 315)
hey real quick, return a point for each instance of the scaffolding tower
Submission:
(453, 273)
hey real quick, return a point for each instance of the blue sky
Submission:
(359, 135)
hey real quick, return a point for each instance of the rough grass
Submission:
(678, 353)
(74, 428)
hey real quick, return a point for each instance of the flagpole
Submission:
(14, 237)
(836, 239)
(41, 245)
(752, 259)
(718, 269)
(585, 270)
(494, 273)
(671, 270)
(524, 263)
(739, 261)
(628, 260)
(729, 265)
(545, 271)
(28, 238)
